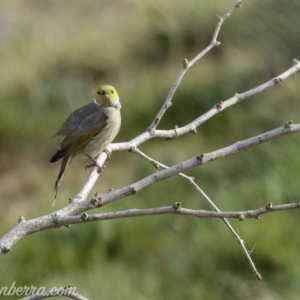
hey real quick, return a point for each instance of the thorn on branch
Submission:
(217, 44)
(295, 61)
(277, 80)
(177, 205)
(269, 205)
(5, 249)
(219, 105)
(288, 125)
(21, 219)
(84, 217)
(185, 63)
(238, 4)
(193, 131)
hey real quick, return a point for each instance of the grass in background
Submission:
(53, 56)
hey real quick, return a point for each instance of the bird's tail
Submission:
(65, 162)
(57, 156)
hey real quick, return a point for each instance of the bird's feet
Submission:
(94, 164)
(107, 153)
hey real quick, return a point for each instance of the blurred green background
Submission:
(54, 54)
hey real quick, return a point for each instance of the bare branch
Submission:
(191, 127)
(191, 163)
(210, 202)
(176, 209)
(169, 134)
(77, 207)
(186, 65)
(75, 211)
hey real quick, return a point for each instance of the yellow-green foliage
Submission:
(53, 54)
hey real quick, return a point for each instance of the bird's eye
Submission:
(98, 93)
(112, 91)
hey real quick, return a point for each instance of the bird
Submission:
(88, 130)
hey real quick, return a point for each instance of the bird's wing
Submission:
(76, 118)
(89, 127)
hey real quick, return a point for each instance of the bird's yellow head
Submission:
(107, 95)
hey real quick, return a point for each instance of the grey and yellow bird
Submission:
(88, 130)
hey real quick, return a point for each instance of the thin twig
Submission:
(191, 127)
(186, 65)
(288, 128)
(191, 180)
(178, 209)
(222, 105)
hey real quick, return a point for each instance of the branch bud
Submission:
(84, 217)
(219, 105)
(134, 190)
(238, 4)
(218, 17)
(200, 157)
(288, 125)
(277, 80)
(241, 217)
(177, 205)
(185, 63)
(21, 219)
(269, 205)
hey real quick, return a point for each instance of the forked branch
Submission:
(75, 211)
